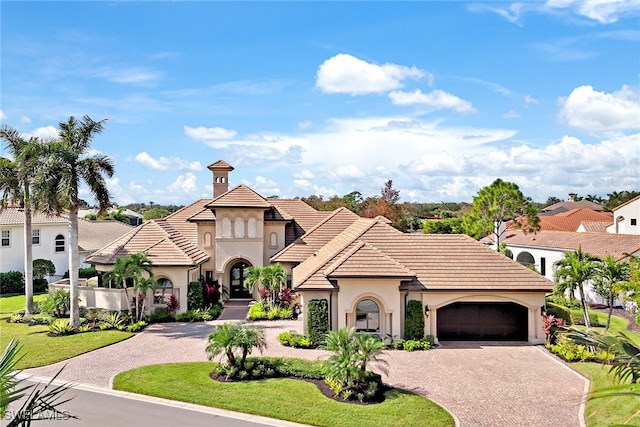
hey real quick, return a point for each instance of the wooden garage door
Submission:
(478, 321)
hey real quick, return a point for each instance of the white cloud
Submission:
(48, 132)
(303, 174)
(129, 75)
(344, 73)
(167, 163)
(594, 111)
(304, 124)
(184, 184)
(436, 100)
(530, 100)
(25, 119)
(204, 133)
(3, 116)
(264, 186)
(511, 114)
(602, 11)
(346, 172)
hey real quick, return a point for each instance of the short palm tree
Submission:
(272, 277)
(232, 338)
(15, 186)
(130, 269)
(572, 271)
(68, 163)
(142, 287)
(608, 276)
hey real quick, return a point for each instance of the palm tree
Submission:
(15, 186)
(130, 270)
(572, 271)
(142, 287)
(67, 165)
(271, 277)
(608, 276)
(229, 338)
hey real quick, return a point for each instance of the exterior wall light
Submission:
(426, 310)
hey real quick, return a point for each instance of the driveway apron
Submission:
(481, 384)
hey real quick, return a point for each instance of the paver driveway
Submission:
(481, 384)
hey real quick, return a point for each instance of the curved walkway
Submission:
(481, 384)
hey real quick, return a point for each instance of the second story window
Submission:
(35, 236)
(6, 238)
(59, 245)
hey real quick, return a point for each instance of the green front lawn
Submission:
(285, 399)
(11, 304)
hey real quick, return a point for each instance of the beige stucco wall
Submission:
(269, 250)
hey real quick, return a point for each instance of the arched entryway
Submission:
(368, 316)
(237, 274)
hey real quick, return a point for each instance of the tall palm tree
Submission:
(130, 270)
(572, 271)
(15, 185)
(67, 165)
(608, 276)
(272, 277)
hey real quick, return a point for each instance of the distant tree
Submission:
(595, 199)
(616, 198)
(117, 215)
(496, 204)
(43, 268)
(443, 226)
(387, 206)
(155, 213)
(315, 201)
(552, 200)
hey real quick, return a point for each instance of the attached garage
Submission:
(482, 321)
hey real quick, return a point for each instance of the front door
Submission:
(238, 273)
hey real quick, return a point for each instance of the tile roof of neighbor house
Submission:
(597, 244)
(565, 206)
(626, 203)
(159, 240)
(570, 220)
(240, 196)
(433, 261)
(15, 216)
(93, 235)
(594, 226)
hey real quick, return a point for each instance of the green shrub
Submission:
(398, 345)
(40, 319)
(215, 310)
(572, 304)
(11, 282)
(273, 313)
(195, 299)
(83, 273)
(285, 313)
(318, 321)
(16, 317)
(257, 311)
(60, 327)
(161, 316)
(40, 286)
(113, 319)
(56, 303)
(294, 339)
(560, 311)
(422, 344)
(414, 321)
(136, 327)
(42, 268)
(84, 328)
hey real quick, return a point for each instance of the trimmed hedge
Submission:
(195, 297)
(559, 311)
(11, 282)
(318, 322)
(413, 321)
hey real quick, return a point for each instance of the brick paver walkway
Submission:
(482, 384)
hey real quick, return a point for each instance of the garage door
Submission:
(473, 321)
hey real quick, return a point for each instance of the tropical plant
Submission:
(142, 286)
(65, 167)
(39, 401)
(16, 178)
(235, 341)
(272, 278)
(60, 327)
(608, 276)
(572, 271)
(129, 270)
(625, 364)
(56, 303)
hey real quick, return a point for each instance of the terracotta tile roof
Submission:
(595, 226)
(220, 164)
(15, 216)
(317, 236)
(365, 260)
(93, 235)
(163, 244)
(569, 220)
(597, 244)
(627, 203)
(305, 217)
(438, 262)
(565, 206)
(180, 219)
(240, 196)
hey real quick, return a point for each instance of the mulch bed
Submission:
(322, 386)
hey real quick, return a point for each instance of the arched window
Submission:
(252, 228)
(207, 240)
(273, 240)
(508, 254)
(226, 228)
(164, 290)
(59, 243)
(526, 259)
(367, 316)
(238, 229)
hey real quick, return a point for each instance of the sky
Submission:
(327, 98)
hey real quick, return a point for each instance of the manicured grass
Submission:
(11, 304)
(618, 324)
(286, 399)
(40, 349)
(621, 410)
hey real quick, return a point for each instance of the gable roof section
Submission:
(570, 220)
(179, 219)
(594, 226)
(628, 202)
(93, 235)
(239, 197)
(365, 260)
(317, 236)
(159, 240)
(15, 216)
(220, 164)
(597, 244)
(565, 206)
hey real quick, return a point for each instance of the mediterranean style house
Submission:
(365, 269)
(49, 239)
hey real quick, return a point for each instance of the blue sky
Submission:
(327, 98)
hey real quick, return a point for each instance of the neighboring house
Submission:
(50, 239)
(135, 218)
(364, 268)
(626, 218)
(560, 207)
(572, 219)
